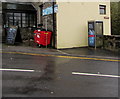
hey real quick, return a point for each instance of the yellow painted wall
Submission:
(72, 22)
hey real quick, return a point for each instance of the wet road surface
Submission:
(52, 77)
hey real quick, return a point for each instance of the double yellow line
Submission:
(69, 57)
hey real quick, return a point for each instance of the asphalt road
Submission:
(53, 76)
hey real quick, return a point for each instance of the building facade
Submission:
(72, 22)
(68, 21)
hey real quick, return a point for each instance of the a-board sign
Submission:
(11, 35)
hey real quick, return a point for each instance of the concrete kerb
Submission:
(49, 52)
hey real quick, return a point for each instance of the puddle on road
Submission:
(42, 83)
(30, 90)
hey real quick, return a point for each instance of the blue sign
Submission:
(49, 10)
(91, 38)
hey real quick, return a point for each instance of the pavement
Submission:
(86, 51)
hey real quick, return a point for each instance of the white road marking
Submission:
(100, 75)
(18, 70)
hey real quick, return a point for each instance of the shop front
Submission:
(20, 15)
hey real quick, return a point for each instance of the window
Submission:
(9, 19)
(21, 19)
(17, 19)
(24, 20)
(32, 20)
(102, 9)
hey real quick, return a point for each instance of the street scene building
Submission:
(69, 23)
(72, 22)
(58, 49)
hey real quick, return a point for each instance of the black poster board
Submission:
(11, 35)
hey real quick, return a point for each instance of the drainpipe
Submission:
(53, 26)
(41, 8)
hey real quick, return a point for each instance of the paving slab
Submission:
(91, 52)
(86, 51)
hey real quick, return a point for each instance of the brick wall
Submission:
(47, 21)
(112, 42)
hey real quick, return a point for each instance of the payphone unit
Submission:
(95, 34)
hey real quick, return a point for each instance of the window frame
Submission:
(28, 22)
(102, 7)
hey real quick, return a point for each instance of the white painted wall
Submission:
(72, 21)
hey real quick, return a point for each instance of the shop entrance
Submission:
(22, 16)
